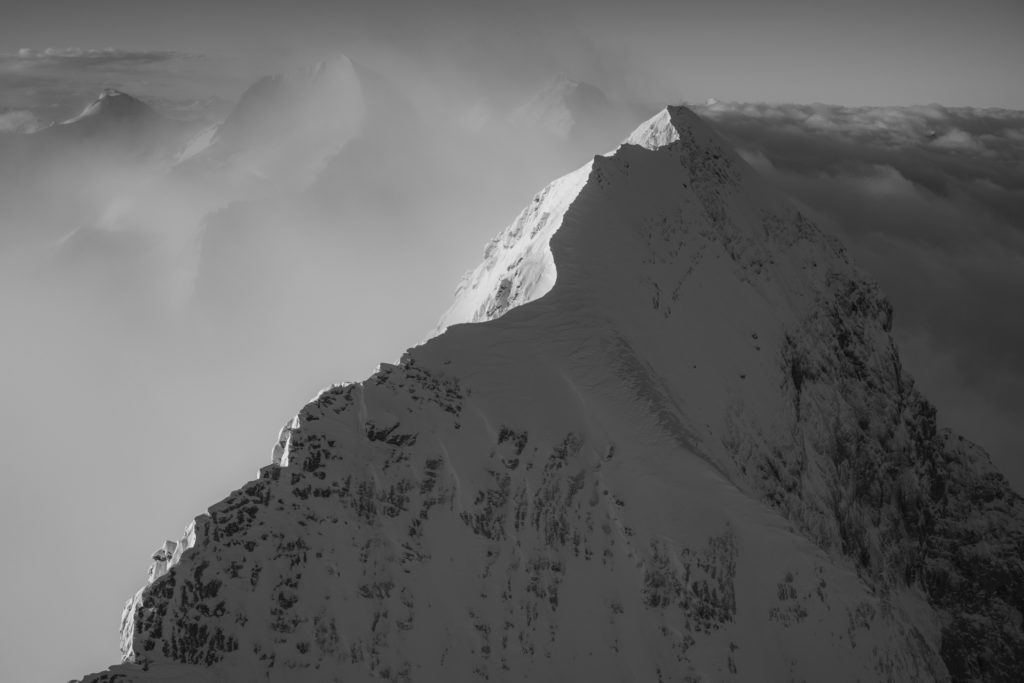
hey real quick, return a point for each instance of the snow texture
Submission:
(676, 445)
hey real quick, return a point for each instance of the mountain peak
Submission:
(679, 445)
(115, 105)
(669, 125)
(324, 101)
(518, 265)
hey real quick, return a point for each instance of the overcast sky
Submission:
(120, 428)
(874, 52)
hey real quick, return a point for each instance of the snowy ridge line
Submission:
(692, 456)
(517, 265)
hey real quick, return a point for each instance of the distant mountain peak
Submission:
(287, 127)
(113, 93)
(324, 100)
(558, 106)
(115, 105)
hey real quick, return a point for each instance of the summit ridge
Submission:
(676, 444)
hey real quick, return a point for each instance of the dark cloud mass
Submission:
(931, 202)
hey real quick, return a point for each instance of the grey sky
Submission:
(874, 52)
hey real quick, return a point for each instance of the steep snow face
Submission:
(517, 265)
(677, 445)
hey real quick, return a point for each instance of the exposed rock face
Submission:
(678, 445)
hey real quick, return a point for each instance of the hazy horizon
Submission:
(871, 53)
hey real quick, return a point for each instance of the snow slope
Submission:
(676, 445)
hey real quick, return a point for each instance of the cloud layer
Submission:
(77, 57)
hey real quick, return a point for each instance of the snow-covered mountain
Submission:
(676, 444)
(112, 106)
(286, 128)
(115, 126)
(114, 120)
(95, 163)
